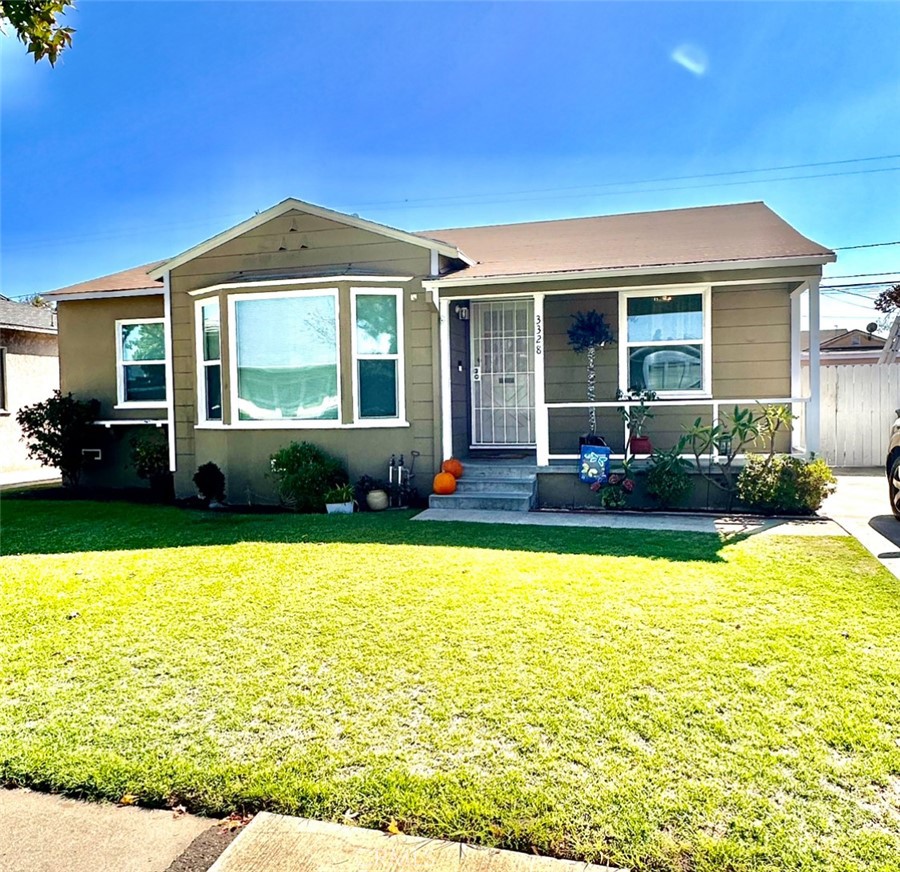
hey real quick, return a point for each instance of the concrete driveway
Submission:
(860, 505)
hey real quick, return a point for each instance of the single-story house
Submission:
(842, 346)
(29, 373)
(302, 323)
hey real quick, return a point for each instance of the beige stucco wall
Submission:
(87, 349)
(32, 374)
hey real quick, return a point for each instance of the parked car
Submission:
(892, 466)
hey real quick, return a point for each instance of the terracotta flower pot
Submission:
(641, 445)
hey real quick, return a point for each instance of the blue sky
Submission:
(168, 122)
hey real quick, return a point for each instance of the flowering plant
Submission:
(615, 490)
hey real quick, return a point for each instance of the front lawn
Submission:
(661, 701)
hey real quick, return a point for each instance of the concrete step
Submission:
(487, 484)
(277, 843)
(496, 501)
(482, 469)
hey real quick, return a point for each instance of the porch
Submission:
(513, 386)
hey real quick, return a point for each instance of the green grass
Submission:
(660, 701)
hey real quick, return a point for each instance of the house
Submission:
(302, 323)
(841, 346)
(29, 373)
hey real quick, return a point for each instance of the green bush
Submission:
(785, 484)
(668, 481)
(304, 473)
(210, 482)
(57, 430)
(150, 455)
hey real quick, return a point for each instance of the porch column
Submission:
(796, 369)
(812, 407)
(541, 414)
(446, 398)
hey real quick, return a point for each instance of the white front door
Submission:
(502, 372)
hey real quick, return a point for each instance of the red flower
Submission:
(628, 485)
(615, 478)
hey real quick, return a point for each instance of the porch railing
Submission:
(543, 455)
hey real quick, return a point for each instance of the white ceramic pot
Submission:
(339, 508)
(377, 500)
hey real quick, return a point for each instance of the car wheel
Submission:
(894, 488)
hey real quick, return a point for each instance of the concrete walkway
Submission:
(46, 833)
(678, 523)
(275, 843)
(860, 505)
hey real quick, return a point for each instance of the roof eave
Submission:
(660, 269)
(61, 297)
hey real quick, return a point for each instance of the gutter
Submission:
(611, 272)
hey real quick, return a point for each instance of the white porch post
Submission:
(796, 369)
(541, 413)
(446, 398)
(813, 406)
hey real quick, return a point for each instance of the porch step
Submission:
(496, 501)
(492, 486)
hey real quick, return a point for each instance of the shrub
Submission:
(668, 481)
(785, 484)
(57, 430)
(210, 482)
(150, 455)
(304, 473)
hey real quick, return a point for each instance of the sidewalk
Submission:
(46, 833)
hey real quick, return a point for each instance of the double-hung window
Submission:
(665, 342)
(377, 332)
(141, 362)
(285, 356)
(209, 341)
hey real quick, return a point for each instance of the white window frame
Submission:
(280, 423)
(202, 363)
(400, 357)
(121, 363)
(705, 292)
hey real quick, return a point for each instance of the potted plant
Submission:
(339, 500)
(636, 417)
(588, 332)
(373, 493)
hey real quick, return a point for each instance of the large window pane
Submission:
(145, 383)
(665, 318)
(666, 368)
(143, 342)
(376, 324)
(287, 358)
(210, 329)
(378, 388)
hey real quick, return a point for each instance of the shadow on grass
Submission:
(35, 526)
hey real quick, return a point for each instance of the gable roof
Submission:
(24, 316)
(846, 339)
(291, 204)
(135, 279)
(735, 233)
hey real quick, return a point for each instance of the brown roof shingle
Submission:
(133, 279)
(706, 234)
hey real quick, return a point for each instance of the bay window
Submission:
(141, 362)
(665, 342)
(209, 375)
(286, 356)
(376, 340)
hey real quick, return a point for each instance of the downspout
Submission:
(815, 382)
(170, 377)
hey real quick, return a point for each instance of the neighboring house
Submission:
(305, 323)
(29, 373)
(842, 346)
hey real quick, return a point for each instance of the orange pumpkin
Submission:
(444, 483)
(453, 466)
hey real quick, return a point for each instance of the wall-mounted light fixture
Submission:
(462, 312)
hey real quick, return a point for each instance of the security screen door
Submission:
(502, 372)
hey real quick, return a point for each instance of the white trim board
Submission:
(311, 280)
(669, 269)
(106, 295)
(290, 205)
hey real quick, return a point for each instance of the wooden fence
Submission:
(858, 408)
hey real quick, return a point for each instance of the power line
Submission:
(868, 245)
